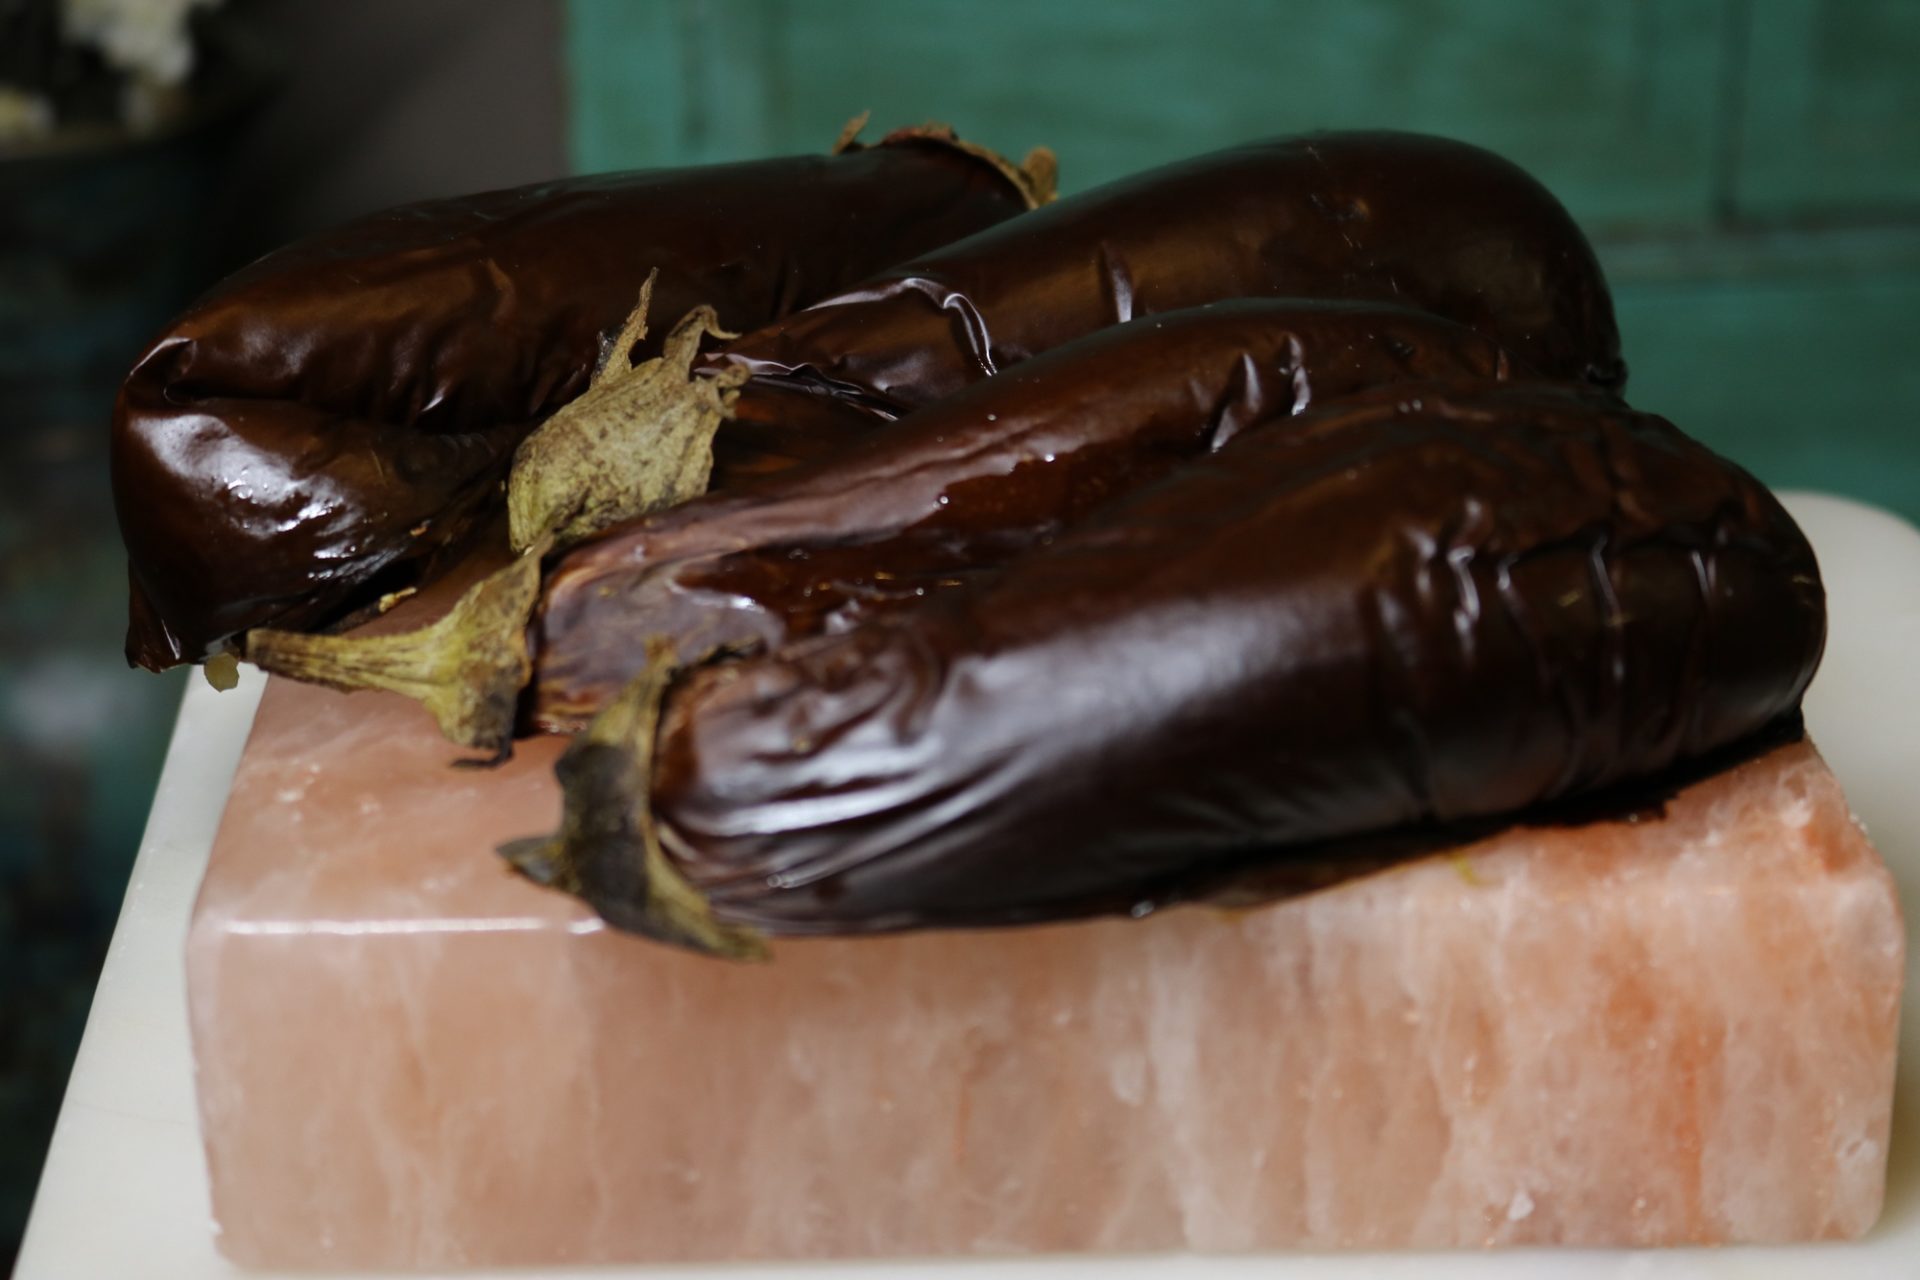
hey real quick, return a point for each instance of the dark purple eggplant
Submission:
(335, 420)
(1375, 216)
(1416, 606)
(964, 484)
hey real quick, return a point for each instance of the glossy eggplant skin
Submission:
(1416, 606)
(1379, 216)
(965, 484)
(331, 420)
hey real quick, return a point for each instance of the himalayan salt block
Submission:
(1635, 1033)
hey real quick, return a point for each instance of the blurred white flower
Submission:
(147, 39)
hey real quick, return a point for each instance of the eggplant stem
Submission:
(608, 849)
(467, 669)
(1036, 178)
(639, 438)
(222, 670)
(617, 360)
(849, 139)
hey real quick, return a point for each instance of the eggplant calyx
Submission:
(1036, 178)
(640, 438)
(608, 851)
(467, 669)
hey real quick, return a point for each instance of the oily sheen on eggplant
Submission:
(964, 484)
(1399, 218)
(1417, 606)
(333, 420)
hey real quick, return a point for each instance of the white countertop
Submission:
(124, 1192)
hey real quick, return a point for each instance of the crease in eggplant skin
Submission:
(1374, 216)
(776, 426)
(336, 418)
(965, 484)
(1415, 607)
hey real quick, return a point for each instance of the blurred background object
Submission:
(1749, 171)
(146, 147)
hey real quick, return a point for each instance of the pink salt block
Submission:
(1638, 1033)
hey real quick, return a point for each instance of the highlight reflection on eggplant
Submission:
(1416, 606)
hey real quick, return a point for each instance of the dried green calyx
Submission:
(1036, 178)
(467, 669)
(608, 849)
(639, 438)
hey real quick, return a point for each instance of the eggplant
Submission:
(963, 485)
(1388, 217)
(1419, 605)
(334, 422)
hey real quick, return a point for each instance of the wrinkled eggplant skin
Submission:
(1418, 606)
(334, 417)
(965, 484)
(1390, 217)
(777, 425)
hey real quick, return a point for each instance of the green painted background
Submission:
(1750, 169)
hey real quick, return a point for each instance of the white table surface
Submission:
(124, 1192)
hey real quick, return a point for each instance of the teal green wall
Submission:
(1750, 169)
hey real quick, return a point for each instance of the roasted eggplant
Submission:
(965, 484)
(1377, 216)
(1416, 606)
(334, 420)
